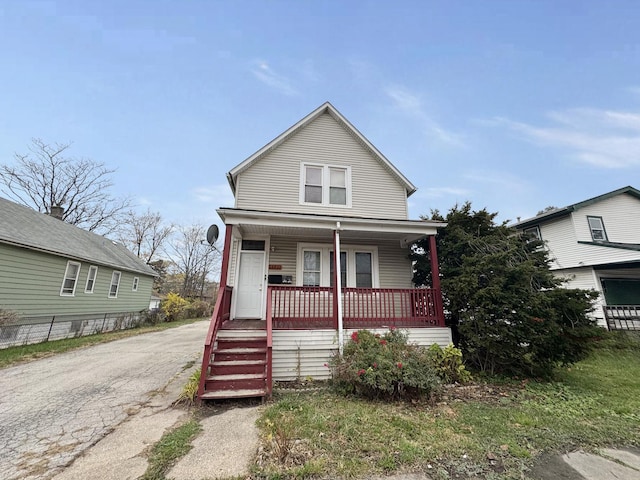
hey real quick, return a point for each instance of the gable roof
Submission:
(559, 212)
(23, 227)
(322, 109)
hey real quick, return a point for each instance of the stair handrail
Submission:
(269, 344)
(215, 322)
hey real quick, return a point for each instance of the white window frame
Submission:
(93, 278)
(326, 184)
(134, 286)
(117, 284)
(67, 277)
(592, 229)
(535, 231)
(351, 250)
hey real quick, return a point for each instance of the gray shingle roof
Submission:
(27, 228)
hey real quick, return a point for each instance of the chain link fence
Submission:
(27, 330)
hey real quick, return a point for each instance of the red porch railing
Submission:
(301, 307)
(221, 313)
(312, 307)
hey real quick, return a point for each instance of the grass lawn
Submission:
(484, 430)
(12, 355)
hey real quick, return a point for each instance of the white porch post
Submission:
(338, 283)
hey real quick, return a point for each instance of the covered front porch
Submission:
(280, 275)
(620, 286)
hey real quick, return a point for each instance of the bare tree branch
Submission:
(46, 178)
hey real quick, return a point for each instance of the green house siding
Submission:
(30, 284)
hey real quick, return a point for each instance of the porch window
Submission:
(343, 269)
(596, 226)
(358, 265)
(70, 279)
(364, 272)
(325, 185)
(311, 268)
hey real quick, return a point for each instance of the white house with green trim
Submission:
(595, 244)
(51, 268)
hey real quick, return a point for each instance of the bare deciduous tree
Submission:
(47, 178)
(194, 259)
(144, 234)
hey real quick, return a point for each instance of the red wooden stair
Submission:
(237, 366)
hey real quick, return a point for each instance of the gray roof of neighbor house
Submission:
(23, 227)
(559, 212)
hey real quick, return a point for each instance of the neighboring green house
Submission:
(51, 268)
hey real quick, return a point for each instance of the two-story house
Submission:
(595, 244)
(287, 301)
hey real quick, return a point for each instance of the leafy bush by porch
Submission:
(383, 366)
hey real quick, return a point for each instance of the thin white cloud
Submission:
(438, 192)
(502, 180)
(217, 195)
(411, 104)
(263, 72)
(602, 138)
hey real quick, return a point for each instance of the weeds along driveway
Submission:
(52, 409)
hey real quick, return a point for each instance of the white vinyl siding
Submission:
(70, 280)
(115, 285)
(620, 214)
(91, 279)
(304, 353)
(273, 183)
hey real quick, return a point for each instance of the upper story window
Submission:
(325, 185)
(533, 232)
(70, 279)
(596, 226)
(115, 283)
(91, 279)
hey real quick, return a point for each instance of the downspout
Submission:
(338, 284)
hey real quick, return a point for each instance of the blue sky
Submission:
(514, 105)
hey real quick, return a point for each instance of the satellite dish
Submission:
(212, 234)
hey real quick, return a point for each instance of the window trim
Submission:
(325, 185)
(134, 286)
(604, 231)
(536, 232)
(92, 268)
(75, 280)
(113, 274)
(325, 267)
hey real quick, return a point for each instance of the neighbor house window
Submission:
(325, 185)
(115, 283)
(596, 226)
(358, 265)
(70, 279)
(533, 232)
(135, 284)
(91, 279)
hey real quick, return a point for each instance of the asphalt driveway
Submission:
(51, 410)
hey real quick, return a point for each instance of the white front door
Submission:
(249, 292)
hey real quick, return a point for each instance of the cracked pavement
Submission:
(53, 409)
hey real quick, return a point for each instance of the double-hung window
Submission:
(596, 226)
(134, 288)
(358, 266)
(91, 279)
(70, 279)
(115, 283)
(325, 185)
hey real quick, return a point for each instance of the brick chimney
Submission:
(57, 211)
